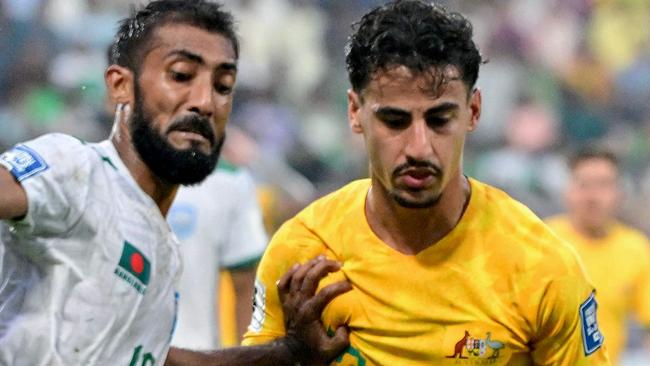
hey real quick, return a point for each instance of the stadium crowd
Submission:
(560, 74)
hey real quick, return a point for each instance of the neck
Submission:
(161, 192)
(409, 230)
(589, 231)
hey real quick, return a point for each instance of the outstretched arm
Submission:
(13, 199)
(306, 339)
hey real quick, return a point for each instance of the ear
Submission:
(475, 104)
(120, 85)
(354, 109)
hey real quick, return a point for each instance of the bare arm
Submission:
(243, 282)
(13, 199)
(306, 339)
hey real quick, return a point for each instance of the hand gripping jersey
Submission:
(499, 289)
(619, 265)
(220, 226)
(87, 277)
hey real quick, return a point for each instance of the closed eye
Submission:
(181, 77)
(393, 118)
(223, 89)
(437, 121)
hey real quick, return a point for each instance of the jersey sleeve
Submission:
(246, 238)
(567, 323)
(53, 169)
(641, 292)
(293, 243)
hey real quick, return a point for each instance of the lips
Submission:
(418, 178)
(195, 128)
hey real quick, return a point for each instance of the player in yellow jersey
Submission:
(445, 270)
(617, 257)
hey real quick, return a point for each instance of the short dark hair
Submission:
(415, 34)
(132, 40)
(592, 152)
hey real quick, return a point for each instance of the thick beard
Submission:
(188, 166)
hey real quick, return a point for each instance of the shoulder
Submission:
(46, 154)
(517, 233)
(335, 206)
(309, 233)
(630, 238)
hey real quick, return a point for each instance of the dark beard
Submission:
(187, 167)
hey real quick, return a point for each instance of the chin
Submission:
(416, 203)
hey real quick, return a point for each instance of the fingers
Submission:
(326, 294)
(317, 273)
(299, 275)
(337, 344)
(285, 280)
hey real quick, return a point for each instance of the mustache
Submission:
(195, 124)
(416, 164)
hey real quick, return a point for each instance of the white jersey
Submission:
(219, 224)
(88, 276)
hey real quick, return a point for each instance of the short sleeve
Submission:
(641, 295)
(567, 323)
(246, 237)
(53, 169)
(293, 243)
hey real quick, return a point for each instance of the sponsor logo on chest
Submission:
(134, 268)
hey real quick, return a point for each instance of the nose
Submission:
(201, 99)
(418, 144)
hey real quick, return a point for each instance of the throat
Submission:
(410, 231)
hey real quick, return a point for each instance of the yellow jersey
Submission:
(619, 265)
(499, 289)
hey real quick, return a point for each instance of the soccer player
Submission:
(616, 257)
(88, 264)
(219, 225)
(445, 269)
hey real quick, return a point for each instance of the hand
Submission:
(305, 334)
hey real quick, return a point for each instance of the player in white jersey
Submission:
(88, 265)
(219, 224)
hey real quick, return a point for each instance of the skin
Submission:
(189, 70)
(593, 196)
(186, 70)
(305, 342)
(402, 120)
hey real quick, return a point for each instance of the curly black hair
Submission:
(421, 36)
(132, 40)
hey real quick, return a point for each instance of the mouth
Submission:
(418, 178)
(193, 131)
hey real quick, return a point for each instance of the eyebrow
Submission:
(442, 108)
(227, 66)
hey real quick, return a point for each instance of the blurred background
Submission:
(561, 74)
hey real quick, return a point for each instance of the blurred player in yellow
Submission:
(445, 269)
(617, 257)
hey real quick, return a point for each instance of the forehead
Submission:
(595, 166)
(214, 48)
(399, 83)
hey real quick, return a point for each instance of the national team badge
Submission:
(23, 162)
(470, 347)
(134, 267)
(592, 338)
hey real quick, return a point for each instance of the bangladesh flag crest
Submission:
(134, 267)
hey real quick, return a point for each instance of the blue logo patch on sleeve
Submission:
(23, 162)
(592, 338)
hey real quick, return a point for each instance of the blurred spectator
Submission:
(528, 167)
(617, 257)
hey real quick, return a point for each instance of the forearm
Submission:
(277, 353)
